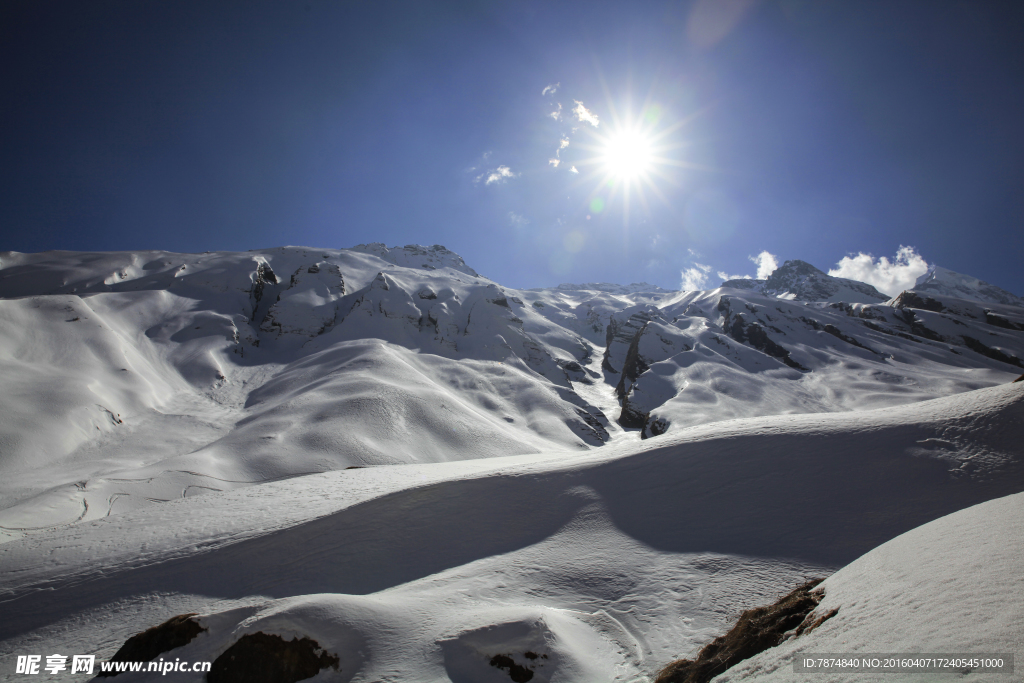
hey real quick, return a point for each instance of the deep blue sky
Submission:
(809, 128)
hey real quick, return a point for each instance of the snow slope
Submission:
(139, 377)
(612, 564)
(951, 586)
(383, 450)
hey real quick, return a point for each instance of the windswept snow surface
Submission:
(612, 563)
(421, 469)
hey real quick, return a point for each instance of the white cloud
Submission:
(562, 144)
(584, 115)
(695, 254)
(516, 220)
(551, 89)
(889, 277)
(573, 170)
(695, 277)
(766, 264)
(557, 114)
(498, 175)
(725, 276)
(554, 162)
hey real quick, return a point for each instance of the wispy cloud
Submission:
(498, 175)
(584, 114)
(889, 277)
(517, 220)
(573, 170)
(562, 144)
(695, 277)
(557, 114)
(766, 264)
(551, 89)
(725, 276)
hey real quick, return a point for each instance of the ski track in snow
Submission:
(176, 430)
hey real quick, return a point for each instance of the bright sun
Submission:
(626, 158)
(627, 155)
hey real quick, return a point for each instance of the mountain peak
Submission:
(417, 256)
(945, 282)
(801, 281)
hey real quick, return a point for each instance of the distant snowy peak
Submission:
(610, 288)
(417, 256)
(945, 282)
(801, 281)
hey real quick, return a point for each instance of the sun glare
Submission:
(627, 155)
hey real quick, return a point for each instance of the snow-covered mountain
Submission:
(944, 282)
(432, 475)
(800, 281)
(635, 288)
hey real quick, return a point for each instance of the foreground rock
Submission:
(146, 646)
(757, 630)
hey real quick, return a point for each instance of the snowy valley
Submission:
(438, 478)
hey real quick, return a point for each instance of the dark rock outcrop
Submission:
(757, 630)
(517, 672)
(908, 299)
(146, 646)
(918, 328)
(634, 366)
(995, 354)
(837, 333)
(623, 332)
(1000, 321)
(753, 334)
(266, 658)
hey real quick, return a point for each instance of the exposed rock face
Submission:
(308, 305)
(621, 331)
(918, 327)
(655, 341)
(994, 354)
(1002, 322)
(146, 646)
(267, 658)
(911, 299)
(753, 334)
(263, 276)
(829, 328)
